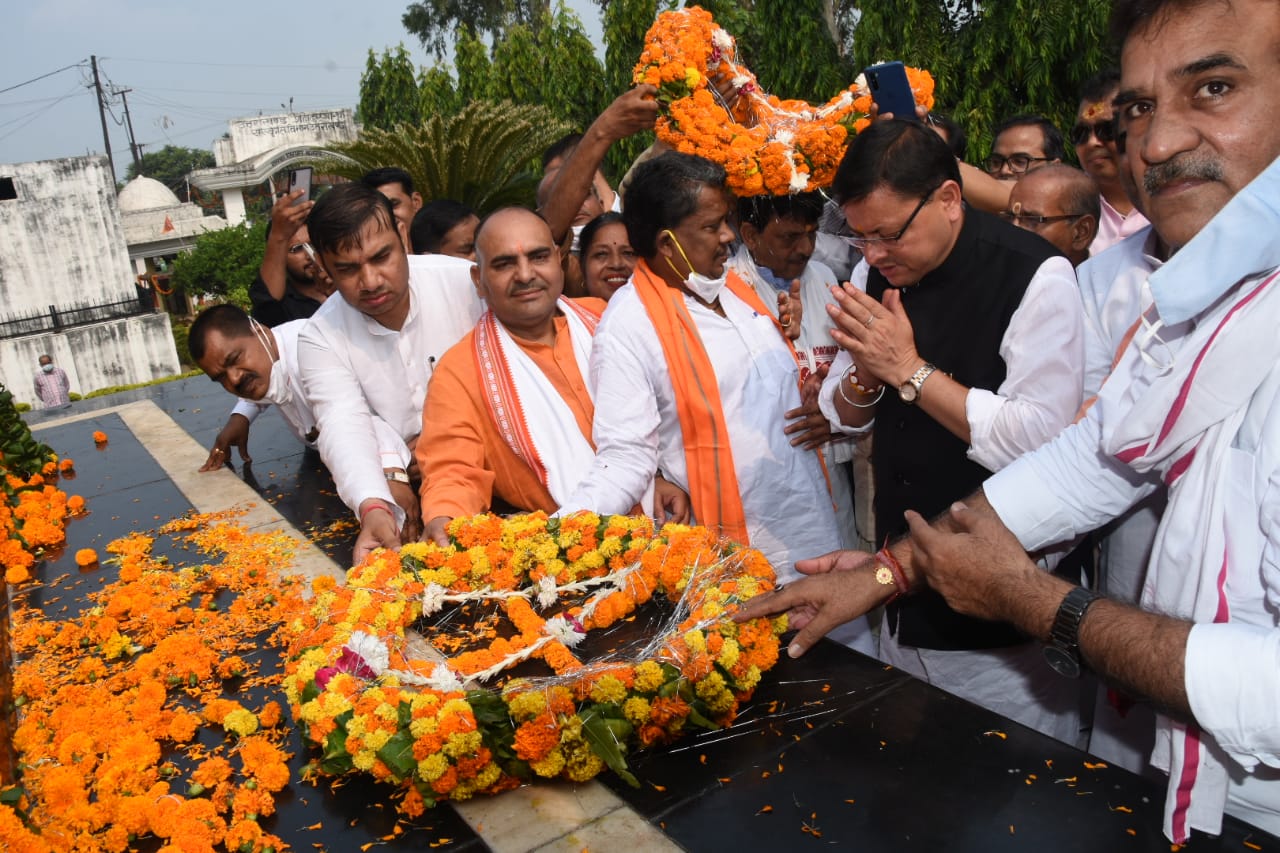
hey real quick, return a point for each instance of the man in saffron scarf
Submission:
(508, 413)
(692, 375)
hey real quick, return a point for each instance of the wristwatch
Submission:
(909, 391)
(397, 475)
(1063, 651)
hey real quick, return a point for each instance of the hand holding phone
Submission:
(891, 90)
(300, 179)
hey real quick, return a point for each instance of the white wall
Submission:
(118, 352)
(61, 241)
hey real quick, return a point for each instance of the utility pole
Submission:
(128, 123)
(102, 114)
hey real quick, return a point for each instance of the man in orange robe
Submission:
(508, 413)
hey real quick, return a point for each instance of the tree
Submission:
(625, 24)
(792, 52)
(482, 157)
(223, 262)
(388, 90)
(434, 22)
(170, 166)
(551, 62)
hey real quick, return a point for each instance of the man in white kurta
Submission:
(371, 353)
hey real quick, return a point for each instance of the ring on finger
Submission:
(870, 321)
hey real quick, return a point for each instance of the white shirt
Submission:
(1043, 351)
(353, 368)
(1110, 285)
(637, 428)
(297, 412)
(1073, 484)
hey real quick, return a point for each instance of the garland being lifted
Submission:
(369, 686)
(767, 145)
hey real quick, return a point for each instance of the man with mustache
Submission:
(371, 353)
(1191, 404)
(259, 364)
(508, 414)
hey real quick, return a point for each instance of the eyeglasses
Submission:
(1018, 163)
(298, 247)
(861, 243)
(1103, 131)
(1034, 220)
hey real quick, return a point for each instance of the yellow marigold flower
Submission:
(527, 705)
(712, 609)
(608, 689)
(417, 550)
(691, 77)
(549, 767)
(241, 721)
(455, 706)
(423, 726)
(363, 759)
(376, 740)
(636, 709)
(729, 654)
(462, 744)
(749, 679)
(115, 646)
(592, 559)
(696, 642)
(433, 767)
(546, 551)
(488, 776)
(611, 546)
(356, 727)
(387, 712)
(648, 677)
(584, 765)
(715, 693)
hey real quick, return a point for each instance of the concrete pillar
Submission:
(233, 202)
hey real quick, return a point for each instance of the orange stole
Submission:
(713, 481)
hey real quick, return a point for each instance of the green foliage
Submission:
(181, 334)
(388, 90)
(434, 22)
(22, 455)
(625, 23)
(223, 262)
(791, 51)
(116, 389)
(482, 157)
(170, 166)
(993, 60)
(550, 62)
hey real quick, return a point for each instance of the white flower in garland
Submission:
(559, 629)
(721, 39)
(444, 679)
(547, 592)
(433, 598)
(371, 650)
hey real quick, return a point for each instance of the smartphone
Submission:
(300, 179)
(891, 91)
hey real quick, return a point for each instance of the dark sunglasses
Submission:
(1103, 131)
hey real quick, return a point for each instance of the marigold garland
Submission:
(374, 705)
(766, 144)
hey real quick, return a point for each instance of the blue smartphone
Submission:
(891, 91)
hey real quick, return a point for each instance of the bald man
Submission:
(1061, 204)
(527, 355)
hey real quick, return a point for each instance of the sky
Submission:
(192, 67)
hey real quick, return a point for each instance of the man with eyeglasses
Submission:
(963, 348)
(290, 285)
(1060, 203)
(1094, 138)
(1021, 144)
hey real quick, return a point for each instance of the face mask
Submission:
(704, 287)
(47, 368)
(577, 237)
(278, 390)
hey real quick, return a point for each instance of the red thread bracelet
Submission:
(885, 556)
(371, 507)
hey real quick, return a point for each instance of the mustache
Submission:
(1161, 175)
(243, 385)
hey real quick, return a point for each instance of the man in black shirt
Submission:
(290, 285)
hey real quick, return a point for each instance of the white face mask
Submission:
(278, 390)
(47, 368)
(704, 287)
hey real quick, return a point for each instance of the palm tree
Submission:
(483, 156)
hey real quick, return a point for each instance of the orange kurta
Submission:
(461, 454)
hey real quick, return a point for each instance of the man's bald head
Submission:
(518, 272)
(1061, 204)
(500, 221)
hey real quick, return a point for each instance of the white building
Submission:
(66, 284)
(256, 148)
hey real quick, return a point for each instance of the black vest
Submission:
(959, 312)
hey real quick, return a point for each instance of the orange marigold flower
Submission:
(75, 503)
(99, 437)
(86, 557)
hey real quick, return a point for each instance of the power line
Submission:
(81, 64)
(324, 67)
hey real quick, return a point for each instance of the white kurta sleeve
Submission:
(1066, 487)
(348, 444)
(1043, 349)
(1238, 704)
(248, 409)
(625, 429)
